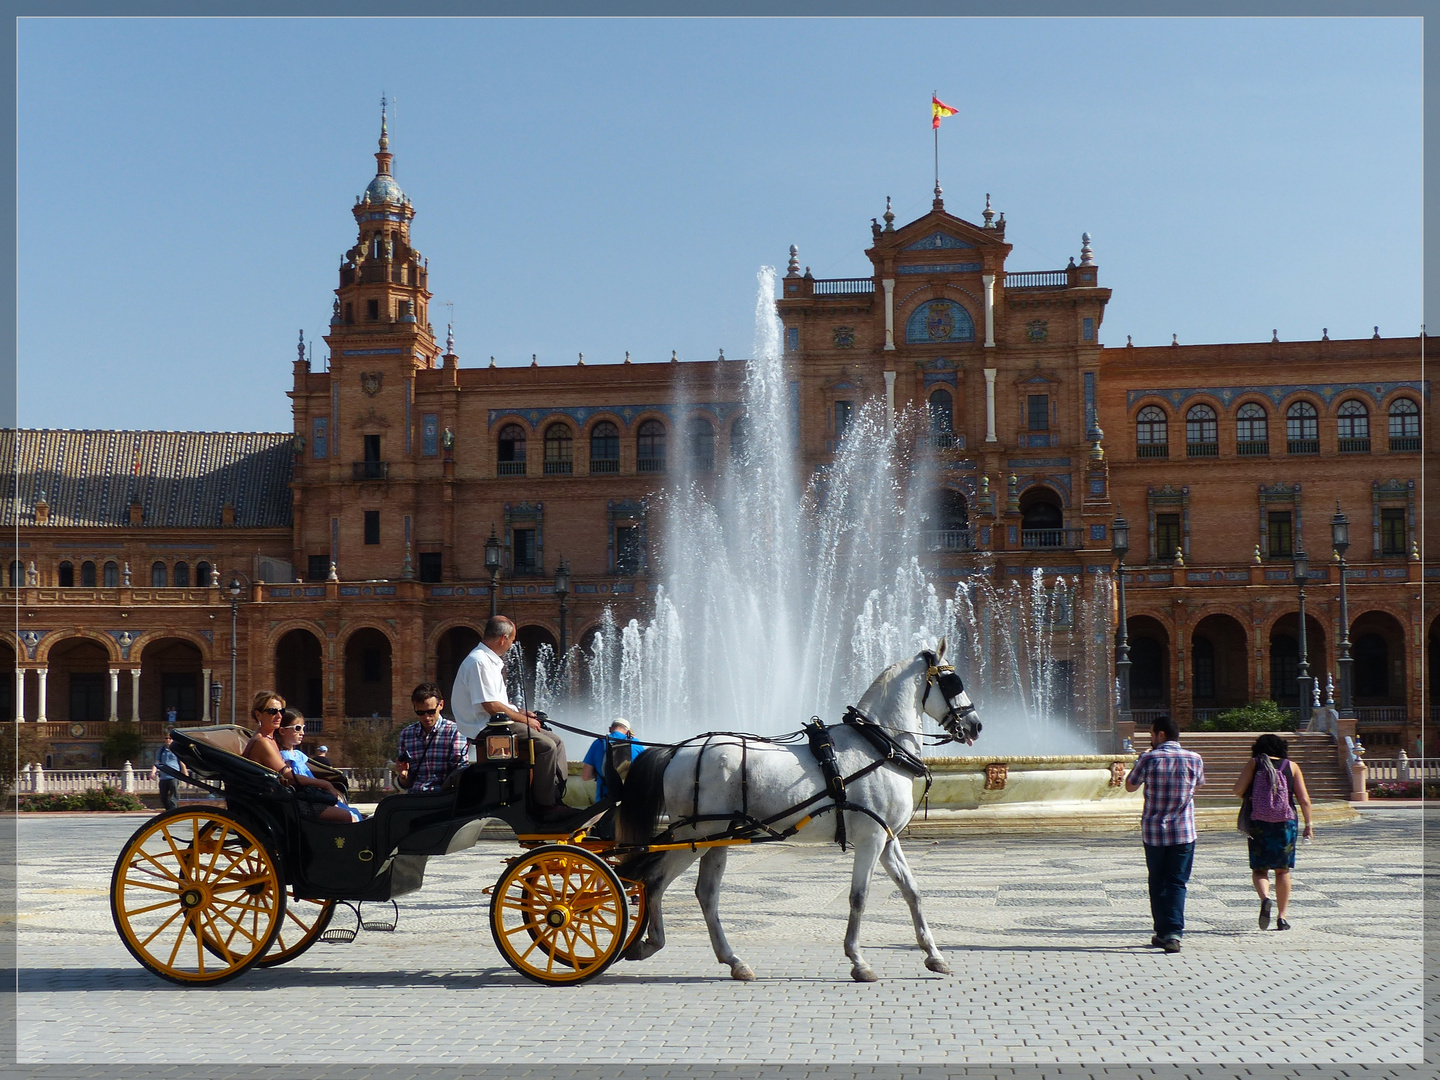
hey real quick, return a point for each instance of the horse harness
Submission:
(744, 826)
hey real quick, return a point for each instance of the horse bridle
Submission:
(959, 722)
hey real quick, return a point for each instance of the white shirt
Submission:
(481, 678)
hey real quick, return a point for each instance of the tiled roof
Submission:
(182, 478)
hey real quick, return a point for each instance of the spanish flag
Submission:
(938, 110)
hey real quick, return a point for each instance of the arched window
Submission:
(1202, 437)
(739, 439)
(1042, 521)
(939, 320)
(17, 574)
(942, 419)
(1404, 425)
(605, 448)
(87, 575)
(700, 444)
(202, 575)
(512, 450)
(182, 575)
(1152, 434)
(1252, 430)
(112, 575)
(953, 533)
(650, 447)
(158, 576)
(559, 442)
(1302, 429)
(1372, 666)
(66, 577)
(1353, 428)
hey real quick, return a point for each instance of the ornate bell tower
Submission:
(382, 304)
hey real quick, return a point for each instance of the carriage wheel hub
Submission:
(558, 916)
(192, 897)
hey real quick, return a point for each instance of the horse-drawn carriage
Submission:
(201, 894)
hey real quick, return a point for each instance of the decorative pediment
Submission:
(371, 419)
(1037, 378)
(937, 241)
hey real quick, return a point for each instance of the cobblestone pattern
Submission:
(1048, 937)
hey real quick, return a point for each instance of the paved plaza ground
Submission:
(1047, 935)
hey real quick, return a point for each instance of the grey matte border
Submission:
(753, 8)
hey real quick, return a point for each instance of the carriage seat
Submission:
(217, 753)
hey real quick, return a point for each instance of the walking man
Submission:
(479, 693)
(1167, 826)
(169, 786)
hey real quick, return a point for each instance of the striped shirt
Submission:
(1170, 776)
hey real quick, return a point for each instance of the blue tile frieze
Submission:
(582, 414)
(1178, 396)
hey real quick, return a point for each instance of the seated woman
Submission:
(288, 737)
(317, 799)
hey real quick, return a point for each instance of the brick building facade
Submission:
(1225, 459)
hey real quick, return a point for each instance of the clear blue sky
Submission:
(602, 185)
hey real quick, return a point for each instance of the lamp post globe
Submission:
(1340, 541)
(492, 563)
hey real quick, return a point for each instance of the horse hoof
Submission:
(934, 963)
(865, 974)
(742, 973)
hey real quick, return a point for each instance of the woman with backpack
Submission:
(1272, 785)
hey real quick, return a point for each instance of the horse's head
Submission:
(952, 708)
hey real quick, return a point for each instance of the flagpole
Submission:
(935, 96)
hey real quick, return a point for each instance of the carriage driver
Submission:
(479, 693)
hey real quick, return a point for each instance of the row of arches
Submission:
(1223, 668)
(652, 440)
(1253, 427)
(87, 574)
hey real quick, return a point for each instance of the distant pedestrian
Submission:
(170, 715)
(620, 747)
(169, 786)
(322, 755)
(1167, 826)
(1274, 784)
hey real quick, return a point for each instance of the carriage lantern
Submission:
(492, 563)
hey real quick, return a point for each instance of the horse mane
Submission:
(644, 790)
(882, 689)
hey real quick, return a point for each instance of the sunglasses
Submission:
(271, 712)
(292, 727)
(427, 712)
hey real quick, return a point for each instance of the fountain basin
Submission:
(968, 783)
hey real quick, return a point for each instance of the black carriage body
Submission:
(378, 858)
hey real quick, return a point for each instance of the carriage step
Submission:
(380, 923)
(339, 935)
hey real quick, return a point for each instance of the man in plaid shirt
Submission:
(1167, 826)
(430, 749)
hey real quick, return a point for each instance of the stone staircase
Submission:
(1226, 754)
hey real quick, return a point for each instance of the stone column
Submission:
(989, 280)
(889, 284)
(19, 695)
(205, 696)
(40, 713)
(889, 399)
(135, 694)
(990, 404)
(114, 694)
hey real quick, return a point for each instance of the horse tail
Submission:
(644, 790)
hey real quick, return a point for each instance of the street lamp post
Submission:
(1340, 541)
(492, 563)
(234, 619)
(562, 590)
(1120, 536)
(1302, 575)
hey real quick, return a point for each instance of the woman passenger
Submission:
(315, 798)
(288, 737)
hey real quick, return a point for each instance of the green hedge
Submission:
(1257, 716)
(102, 798)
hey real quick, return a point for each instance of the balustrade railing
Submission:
(559, 468)
(1145, 717)
(604, 465)
(510, 468)
(1401, 769)
(1354, 446)
(943, 440)
(370, 470)
(1302, 446)
(1381, 714)
(1253, 448)
(1037, 279)
(1404, 442)
(843, 286)
(1152, 450)
(949, 540)
(650, 464)
(1202, 449)
(1050, 538)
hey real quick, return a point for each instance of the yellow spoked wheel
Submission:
(559, 915)
(304, 922)
(196, 896)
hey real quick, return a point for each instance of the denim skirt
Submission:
(1272, 844)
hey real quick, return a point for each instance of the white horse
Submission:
(728, 784)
